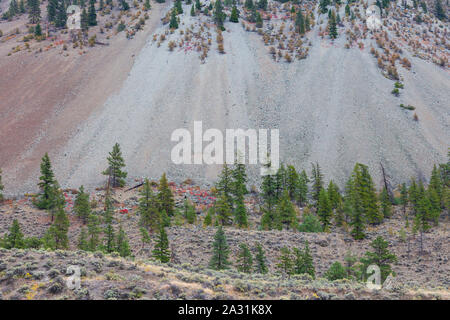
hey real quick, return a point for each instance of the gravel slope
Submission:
(334, 107)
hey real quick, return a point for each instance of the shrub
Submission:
(335, 272)
(311, 223)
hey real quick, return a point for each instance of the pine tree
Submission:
(109, 237)
(324, 210)
(189, 212)
(34, 11)
(208, 218)
(304, 261)
(240, 213)
(436, 183)
(323, 5)
(198, 5)
(262, 4)
(122, 245)
(239, 180)
(268, 188)
(260, 260)
(292, 180)
(48, 185)
(83, 240)
(440, 12)
(332, 28)
(38, 30)
(82, 206)
(145, 237)
(61, 15)
(84, 23)
(60, 229)
(286, 213)
(302, 186)
(404, 198)
(334, 195)
(280, 182)
(173, 24)
(148, 208)
(223, 211)
(115, 164)
(178, 7)
(125, 6)
(52, 6)
(165, 197)
(234, 17)
(1, 186)
(15, 238)
(285, 264)
(386, 206)
(92, 16)
(225, 184)
(219, 259)
(244, 260)
(193, 11)
(94, 231)
(219, 16)
(380, 256)
(248, 4)
(147, 5)
(317, 180)
(422, 216)
(161, 251)
(300, 22)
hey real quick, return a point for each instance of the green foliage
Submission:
(48, 185)
(83, 240)
(15, 238)
(311, 223)
(123, 247)
(285, 212)
(92, 16)
(285, 264)
(324, 210)
(380, 256)
(336, 272)
(161, 251)
(234, 17)
(165, 197)
(219, 259)
(300, 22)
(260, 260)
(189, 212)
(115, 165)
(59, 229)
(148, 208)
(82, 206)
(34, 11)
(303, 261)
(317, 180)
(244, 259)
(332, 28)
(440, 12)
(223, 211)
(94, 231)
(219, 15)
(209, 217)
(225, 185)
(302, 187)
(386, 206)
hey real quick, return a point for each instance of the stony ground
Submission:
(192, 244)
(33, 274)
(333, 107)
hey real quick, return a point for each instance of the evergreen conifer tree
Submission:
(219, 259)
(245, 259)
(115, 164)
(148, 208)
(92, 16)
(260, 260)
(324, 210)
(165, 197)
(161, 251)
(234, 17)
(82, 206)
(380, 256)
(285, 264)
